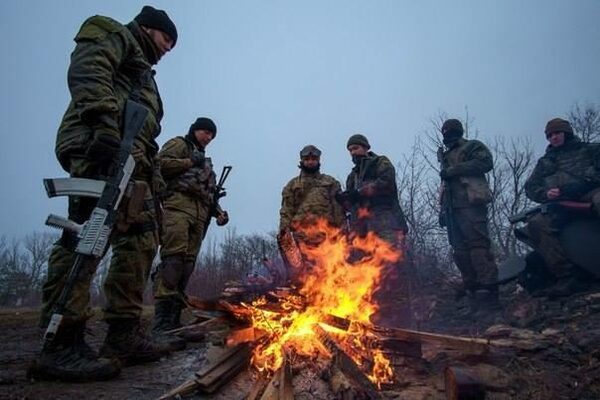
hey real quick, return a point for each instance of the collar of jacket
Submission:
(572, 143)
(146, 43)
(190, 138)
(366, 161)
(459, 142)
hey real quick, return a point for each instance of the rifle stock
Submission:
(568, 205)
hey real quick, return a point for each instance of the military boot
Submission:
(485, 303)
(126, 341)
(68, 358)
(165, 315)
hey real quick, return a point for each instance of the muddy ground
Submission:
(552, 351)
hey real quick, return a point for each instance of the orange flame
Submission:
(341, 276)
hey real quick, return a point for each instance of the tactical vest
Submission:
(198, 182)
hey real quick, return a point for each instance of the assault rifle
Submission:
(217, 194)
(94, 234)
(568, 205)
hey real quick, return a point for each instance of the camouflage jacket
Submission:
(106, 65)
(310, 195)
(188, 189)
(467, 162)
(574, 168)
(379, 173)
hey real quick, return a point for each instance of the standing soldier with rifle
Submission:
(306, 197)
(110, 66)
(371, 197)
(190, 203)
(568, 171)
(465, 195)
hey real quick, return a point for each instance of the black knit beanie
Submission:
(150, 17)
(358, 139)
(205, 124)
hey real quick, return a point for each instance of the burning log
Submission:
(346, 365)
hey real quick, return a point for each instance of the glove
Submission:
(446, 173)
(105, 145)
(222, 218)
(198, 157)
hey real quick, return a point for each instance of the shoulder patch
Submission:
(97, 27)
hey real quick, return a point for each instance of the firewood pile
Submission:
(355, 359)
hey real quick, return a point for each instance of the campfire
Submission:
(324, 316)
(333, 283)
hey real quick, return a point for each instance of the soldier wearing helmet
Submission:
(569, 170)
(310, 195)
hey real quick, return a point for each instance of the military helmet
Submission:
(558, 125)
(309, 150)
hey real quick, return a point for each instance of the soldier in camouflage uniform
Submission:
(189, 205)
(111, 63)
(464, 211)
(371, 196)
(304, 199)
(570, 170)
(310, 195)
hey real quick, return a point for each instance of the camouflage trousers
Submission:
(470, 240)
(182, 236)
(543, 230)
(130, 264)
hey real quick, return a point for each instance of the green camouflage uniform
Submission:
(385, 217)
(308, 196)
(467, 191)
(188, 208)
(574, 168)
(107, 64)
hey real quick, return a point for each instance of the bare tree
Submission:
(23, 265)
(513, 163)
(585, 121)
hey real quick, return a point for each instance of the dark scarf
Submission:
(145, 41)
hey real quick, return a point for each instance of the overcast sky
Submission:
(276, 75)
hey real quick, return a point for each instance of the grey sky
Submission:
(276, 75)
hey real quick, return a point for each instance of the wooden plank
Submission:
(221, 373)
(477, 345)
(286, 390)
(346, 365)
(186, 388)
(257, 388)
(226, 354)
(336, 322)
(201, 327)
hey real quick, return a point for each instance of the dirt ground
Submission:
(552, 352)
